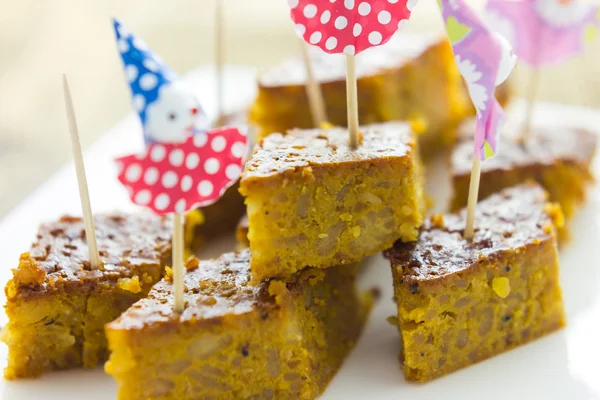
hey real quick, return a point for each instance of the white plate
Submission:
(564, 365)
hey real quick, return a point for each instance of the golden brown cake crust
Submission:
(214, 289)
(277, 153)
(57, 306)
(278, 340)
(329, 68)
(314, 201)
(60, 252)
(546, 146)
(411, 78)
(461, 302)
(509, 220)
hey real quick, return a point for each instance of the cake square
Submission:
(558, 158)
(461, 302)
(57, 305)
(412, 77)
(312, 200)
(278, 339)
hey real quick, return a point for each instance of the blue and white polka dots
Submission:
(167, 109)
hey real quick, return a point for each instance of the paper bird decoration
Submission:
(349, 26)
(484, 60)
(183, 167)
(545, 31)
(168, 109)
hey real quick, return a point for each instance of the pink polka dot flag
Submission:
(178, 177)
(349, 26)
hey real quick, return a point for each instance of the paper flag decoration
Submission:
(180, 177)
(545, 31)
(484, 60)
(169, 111)
(349, 26)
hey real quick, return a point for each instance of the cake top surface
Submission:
(277, 153)
(511, 219)
(400, 50)
(60, 252)
(544, 147)
(215, 289)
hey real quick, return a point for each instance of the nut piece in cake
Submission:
(557, 158)
(460, 301)
(57, 305)
(311, 200)
(279, 339)
(412, 77)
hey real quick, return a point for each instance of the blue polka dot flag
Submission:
(147, 75)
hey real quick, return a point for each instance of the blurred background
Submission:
(41, 39)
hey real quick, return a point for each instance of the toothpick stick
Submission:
(219, 59)
(473, 194)
(177, 256)
(352, 100)
(533, 87)
(313, 90)
(531, 96)
(84, 194)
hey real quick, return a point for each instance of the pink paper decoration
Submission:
(485, 60)
(349, 26)
(178, 177)
(545, 31)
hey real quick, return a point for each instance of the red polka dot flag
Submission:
(349, 26)
(172, 177)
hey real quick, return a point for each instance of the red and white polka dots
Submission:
(218, 144)
(186, 183)
(238, 149)
(143, 197)
(176, 157)
(211, 166)
(349, 26)
(180, 177)
(133, 172)
(158, 153)
(192, 160)
(151, 176)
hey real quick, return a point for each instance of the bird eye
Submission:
(194, 111)
(172, 116)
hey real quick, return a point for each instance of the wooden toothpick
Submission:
(473, 194)
(533, 87)
(177, 256)
(219, 60)
(313, 89)
(531, 97)
(84, 195)
(352, 100)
